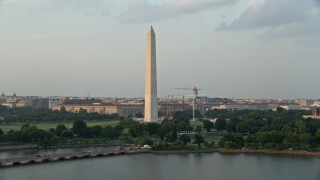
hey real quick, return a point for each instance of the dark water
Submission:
(173, 167)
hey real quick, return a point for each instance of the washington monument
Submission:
(151, 99)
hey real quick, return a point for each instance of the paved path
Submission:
(66, 156)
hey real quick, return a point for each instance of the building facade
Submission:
(123, 110)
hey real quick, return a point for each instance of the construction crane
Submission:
(195, 92)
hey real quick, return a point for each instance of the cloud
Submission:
(142, 11)
(50, 35)
(256, 3)
(315, 11)
(281, 19)
(271, 13)
(308, 29)
(88, 6)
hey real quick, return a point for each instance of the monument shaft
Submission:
(151, 100)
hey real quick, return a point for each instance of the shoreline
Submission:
(219, 150)
(184, 151)
(270, 152)
(90, 145)
(34, 146)
(18, 147)
(240, 151)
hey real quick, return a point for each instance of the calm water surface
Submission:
(173, 167)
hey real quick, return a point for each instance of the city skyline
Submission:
(75, 48)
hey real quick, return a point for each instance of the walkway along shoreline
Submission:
(240, 151)
(35, 146)
(95, 154)
(270, 152)
(66, 156)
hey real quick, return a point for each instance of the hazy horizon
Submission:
(227, 48)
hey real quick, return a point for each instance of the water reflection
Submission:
(173, 167)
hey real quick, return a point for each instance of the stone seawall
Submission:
(184, 151)
(18, 147)
(269, 152)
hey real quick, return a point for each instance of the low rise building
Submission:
(168, 109)
(315, 113)
(54, 101)
(124, 110)
(292, 106)
(9, 104)
(256, 106)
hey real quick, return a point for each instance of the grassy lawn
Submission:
(47, 126)
(213, 137)
(196, 123)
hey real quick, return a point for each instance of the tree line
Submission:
(254, 129)
(30, 115)
(280, 129)
(162, 136)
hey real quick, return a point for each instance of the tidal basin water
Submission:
(172, 167)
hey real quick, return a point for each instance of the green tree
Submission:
(230, 145)
(243, 127)
(198, 139)
(305, 138)
(83, 111)
(239, 140)
(220, 124)
(317, 136)
(24, 126)
(67, 134)
(117, 130)
(96, 131)
(1, 134)
(63, 109)
(79, 127)
(108, 132)
(208, 125)
(146, 141)
(139, 115)
(198, 129)
(152, 128)
(59, 129)
(262, 137)
(137, 130)
(184, 138)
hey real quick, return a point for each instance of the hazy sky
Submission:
(228, 48)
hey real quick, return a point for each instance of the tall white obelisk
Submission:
(151, 99)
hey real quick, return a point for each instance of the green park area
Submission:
(249, 129)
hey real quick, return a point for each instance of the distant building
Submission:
(304, 102)
(124, 110)
(316, 103)
(38, 103)
(217, 106)
(54, 101)
(2, 98)
(168, 109)
(257, 106)
(292, 106)
(315, 111)
(21, 104)
(9, 104)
